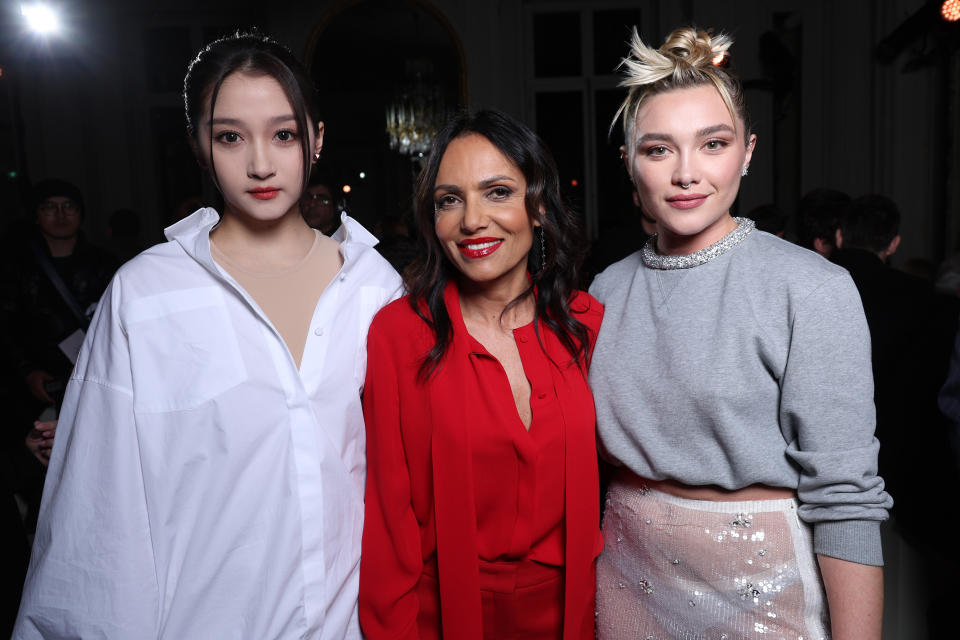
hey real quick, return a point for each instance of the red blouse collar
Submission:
(451, 298)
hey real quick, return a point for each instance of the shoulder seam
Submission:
(802, 304)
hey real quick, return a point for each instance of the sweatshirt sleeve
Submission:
(92, 571)
(597, 288)
(828, 414)
(391, 560)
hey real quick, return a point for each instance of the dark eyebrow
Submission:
(450, 188)
(234, 122)
(483, 184)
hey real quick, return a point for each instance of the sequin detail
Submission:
(656, 261)
(742, 520)
(745, 569)
(749, 591)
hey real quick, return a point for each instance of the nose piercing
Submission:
(684, 186)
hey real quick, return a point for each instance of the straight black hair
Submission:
(255, 54)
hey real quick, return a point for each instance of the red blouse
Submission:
(501, 493)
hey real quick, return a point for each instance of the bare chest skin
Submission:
(330, 260)
(502, 346)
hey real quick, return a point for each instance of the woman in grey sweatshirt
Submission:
(733, 389)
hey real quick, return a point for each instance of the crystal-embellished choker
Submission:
(656, 261)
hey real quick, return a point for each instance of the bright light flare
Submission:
(41, 18)
(950, 10)
(346, 188)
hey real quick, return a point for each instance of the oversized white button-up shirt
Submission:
(200, 485)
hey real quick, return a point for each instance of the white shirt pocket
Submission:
(183, 349)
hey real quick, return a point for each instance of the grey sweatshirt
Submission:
(751, 368)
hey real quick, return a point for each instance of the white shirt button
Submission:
(318, 331)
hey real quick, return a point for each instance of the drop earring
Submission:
(543, 250)
(746, 170)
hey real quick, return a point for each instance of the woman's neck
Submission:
(484, 303)
(680, 245)
(263, 244)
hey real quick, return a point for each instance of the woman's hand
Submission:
(40, 440)
(854, 597)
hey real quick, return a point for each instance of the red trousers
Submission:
(520, 600)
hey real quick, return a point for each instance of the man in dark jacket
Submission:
(51, 279)
(911, 330)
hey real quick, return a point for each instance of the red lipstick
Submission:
(264, 193)
(479, 247)
(687, 200)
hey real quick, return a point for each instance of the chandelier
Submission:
(415, 117)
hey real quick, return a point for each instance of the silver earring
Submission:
(543, 250)
(316, 156)
(746, 170)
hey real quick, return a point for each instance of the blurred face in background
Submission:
(59, 217)
(318, 207)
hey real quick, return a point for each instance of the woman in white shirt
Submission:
(207, 478)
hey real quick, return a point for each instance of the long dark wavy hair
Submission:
(554, 278)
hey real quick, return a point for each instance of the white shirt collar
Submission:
(193, 234)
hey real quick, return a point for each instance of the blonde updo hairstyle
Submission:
(689, 57)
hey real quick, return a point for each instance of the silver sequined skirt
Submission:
(674, 568)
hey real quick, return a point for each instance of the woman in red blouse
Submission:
(482, 509)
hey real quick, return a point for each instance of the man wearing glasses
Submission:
(51, 279)
(50, 283)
